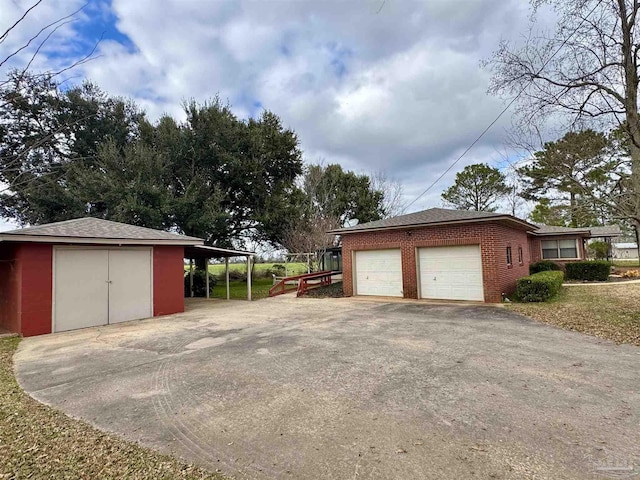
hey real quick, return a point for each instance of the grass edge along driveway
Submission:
(607, 311)
(37, 441)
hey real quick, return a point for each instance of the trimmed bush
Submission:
(199, 284)
(590, 270)
(539, 287)
(599, 250)
(544, 266)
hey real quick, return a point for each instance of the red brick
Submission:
(493, 238)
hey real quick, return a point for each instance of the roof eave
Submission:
(583, 233)
(97, 240)
(527, 226)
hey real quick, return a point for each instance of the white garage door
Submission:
(378, 272)
(100, 286)
(451, 273)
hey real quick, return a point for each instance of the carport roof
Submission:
(205, 251)
(435, 216)
(96, 230)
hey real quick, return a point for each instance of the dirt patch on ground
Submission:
(328, 291)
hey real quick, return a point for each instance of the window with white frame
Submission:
(560, 248)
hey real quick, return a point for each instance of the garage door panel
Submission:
(378, 272)
(451, 273)
(130, 285)
(81, 291)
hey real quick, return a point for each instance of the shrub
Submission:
(237, 275)
(544, 266)
(278, 270)
(631, 274)
(590, 270)
(199, 284)
(598, 250)
(540, 286)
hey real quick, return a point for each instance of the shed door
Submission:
(129, 285)
(81, 289)
(378, 272)
(100, 286)
(451, 273)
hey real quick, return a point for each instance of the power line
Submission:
(513, 100)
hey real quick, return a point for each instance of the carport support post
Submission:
(191, 277)
(249, 277)
(226, 274)
(206, 275)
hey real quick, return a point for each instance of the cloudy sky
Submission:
(393, 86)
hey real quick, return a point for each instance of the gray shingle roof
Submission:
(552, 229)
(606, 231)
(96, 228)
(425, 217)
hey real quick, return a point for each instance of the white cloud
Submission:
(394, 87)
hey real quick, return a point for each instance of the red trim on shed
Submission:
(9, 288)
(36, 264)
(168, 280)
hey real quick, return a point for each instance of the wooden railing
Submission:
(301, 283)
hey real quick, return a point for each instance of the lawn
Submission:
(292, 268)
(606, 311)
(627, 262)
(39, 442)
(238, 289)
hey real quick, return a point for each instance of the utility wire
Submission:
(504, 110)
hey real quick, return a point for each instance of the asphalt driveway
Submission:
(345, 388)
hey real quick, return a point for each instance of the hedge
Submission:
(544, 266)
(199, 284)
(588, 270)
(539, 287)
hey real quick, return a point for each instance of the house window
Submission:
(559, 249)
(509, 261)
(520, 256)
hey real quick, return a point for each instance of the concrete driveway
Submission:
(345, 388)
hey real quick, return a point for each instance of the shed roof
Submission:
(625, 245)
(434, 216)
(96, 230)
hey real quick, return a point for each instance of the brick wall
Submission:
(535, 245)
(498, 277)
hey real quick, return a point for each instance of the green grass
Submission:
(631, 262)
(218, 268)
(238, 289)
(40, 442)
(606, 311)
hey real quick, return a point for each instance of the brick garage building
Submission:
(89, 272)
(450, 254)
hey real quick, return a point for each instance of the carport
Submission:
(207, 253)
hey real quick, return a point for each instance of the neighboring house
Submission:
(89, 272)
(622, 250)
(450, 254)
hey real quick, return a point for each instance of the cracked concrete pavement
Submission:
(350, 388)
